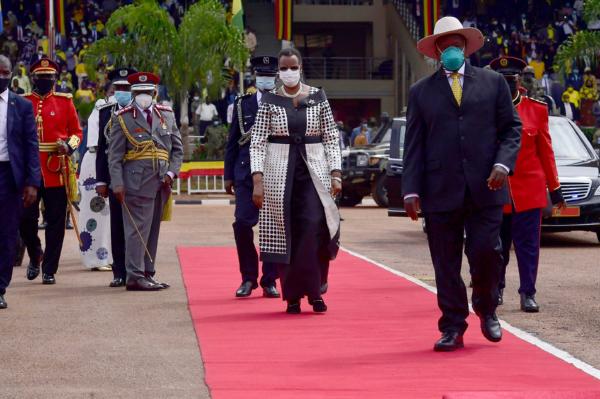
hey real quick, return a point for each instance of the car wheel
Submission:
(379, 191)
(350, 200)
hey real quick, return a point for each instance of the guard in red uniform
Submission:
(534, 175)
(59, 135)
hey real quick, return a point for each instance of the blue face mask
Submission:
(265, 83)
(452, 58)
(123, 97)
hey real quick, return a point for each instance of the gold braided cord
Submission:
(142, 149)
(159, 154)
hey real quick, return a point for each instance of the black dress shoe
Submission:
(117, 282)
(48, 279)
(450, 341)
(293, 307)
(490, 327)
(3, 304)
(164, 286)
(528, 304)
(270, 291)
(319, 306)
(500, 296)
(324, 288)
(245, 289)
(142, 285)
(33, 270)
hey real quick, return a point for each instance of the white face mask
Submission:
(143, 100)
(290, 78)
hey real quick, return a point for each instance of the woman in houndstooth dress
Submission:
(296, 164)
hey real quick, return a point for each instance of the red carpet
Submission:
(375, 342)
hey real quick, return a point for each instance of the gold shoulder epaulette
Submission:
(67, 95)
(164, 107)
(124, 110)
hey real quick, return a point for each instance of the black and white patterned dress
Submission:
(296, 149)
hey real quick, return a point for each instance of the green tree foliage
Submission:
(142, 35)
(583, 46)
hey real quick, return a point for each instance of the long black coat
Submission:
(450, 149)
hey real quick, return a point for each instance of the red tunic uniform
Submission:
(56, 119)
(535, 169)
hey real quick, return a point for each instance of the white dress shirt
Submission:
(461, 79)
(3, 126)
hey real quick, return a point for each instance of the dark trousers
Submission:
(523, 229)
(117, 237)
(10, 209)
(445, 232)
(246, 217)
(55, 203)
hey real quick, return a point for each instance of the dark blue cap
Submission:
(119, 76)
(265, 65)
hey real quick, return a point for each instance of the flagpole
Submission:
(51, 30)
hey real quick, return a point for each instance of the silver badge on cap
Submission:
(123, 72)
(143, 78)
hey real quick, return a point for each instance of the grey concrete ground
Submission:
(81, 339)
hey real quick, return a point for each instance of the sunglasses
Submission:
(284, 69)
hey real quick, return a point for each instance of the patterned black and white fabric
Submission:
(278, 118)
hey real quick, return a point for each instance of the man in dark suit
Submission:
(462, 140)
(238, 178)
(19, 170)
(122, 98)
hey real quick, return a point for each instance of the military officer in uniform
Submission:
(59, 135)
(238, 179)
(144, 156)
(121, 99)
(534, 174)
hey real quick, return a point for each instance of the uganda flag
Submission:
(283, 19)
(237, 14)
(431, 13)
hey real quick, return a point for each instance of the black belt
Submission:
(295, 139)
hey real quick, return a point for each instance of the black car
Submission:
(578, 171)
(364, 168)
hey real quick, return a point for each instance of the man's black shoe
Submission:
(319, 306)
(48, 279)
(33, 270)
(500, 296)
(245, 289)
(142, 285)
(153, 281)
(3, 304)
(270, 291)
(117, 282)
(528, 304)
(490, 327)
(449, 342)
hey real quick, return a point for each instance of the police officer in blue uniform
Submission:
(238, 179)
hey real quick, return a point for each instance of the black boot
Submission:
(528, 304)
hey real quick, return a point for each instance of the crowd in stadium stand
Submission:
(530, 30)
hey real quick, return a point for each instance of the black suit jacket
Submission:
(450, 150)
(102, 172)
(237, 158)
(22, 141)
